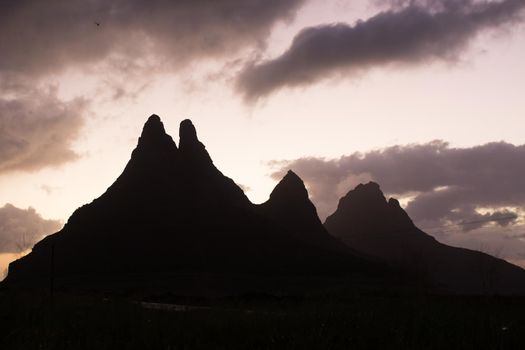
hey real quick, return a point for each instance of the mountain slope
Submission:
(171, 213)
(290, 207)
(369, 223)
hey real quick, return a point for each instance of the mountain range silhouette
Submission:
(172, 222)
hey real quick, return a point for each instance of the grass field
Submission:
(365, 322)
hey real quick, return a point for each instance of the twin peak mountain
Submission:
(173, 222)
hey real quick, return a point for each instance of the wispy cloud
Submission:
(37, 130)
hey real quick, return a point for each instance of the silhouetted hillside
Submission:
(290, 207)
(172, 220)
(369, 223)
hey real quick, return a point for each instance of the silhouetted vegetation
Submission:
(366, 322)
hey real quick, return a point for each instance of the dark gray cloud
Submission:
(20, 229)
(503, 218)
(410, 32)
(41, 37)
(37, 130)
(123, 43)
(446, 183)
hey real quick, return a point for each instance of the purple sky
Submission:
(422, 96)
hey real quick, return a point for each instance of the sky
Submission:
(424, 97)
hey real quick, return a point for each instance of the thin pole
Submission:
(52, 279)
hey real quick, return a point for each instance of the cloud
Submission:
(244, 188)
(49, 189)
(476, 220)
(410, 32)
(443, 182)
(120, 45)
(37, 130)
(20, 229)
(38, 38)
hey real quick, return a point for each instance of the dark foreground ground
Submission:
(358, 322)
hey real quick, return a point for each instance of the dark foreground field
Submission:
(364, 322)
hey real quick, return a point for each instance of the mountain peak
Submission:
(154, 119)
(153, 127)
(393, 202)
(293, 180)
(293, 175)
(363, 197)
(192, 150)
(290, 186)
(187, 133)
(290, 206)
(154, 136)
(366, 209)
(371, 188)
